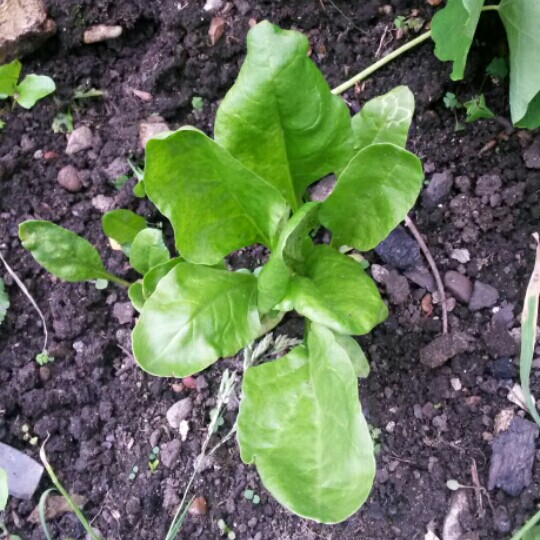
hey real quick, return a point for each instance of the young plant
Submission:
(4, 301)
(278, 130)
(27, 92)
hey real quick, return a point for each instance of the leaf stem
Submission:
(117, 280)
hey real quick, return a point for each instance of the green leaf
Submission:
(156, 274)
(533, 534)
(4, 301)
(356, 355)
(135, 294)
(62, 252)
(148, 250)
(139, 190)
(372, 196)
(335, 292)
(9, 76)
(384, 119)
(195, 316)
(451, 101)
(498, 68)
(280, 119)
(4, 491)
(223, 206)
(301, 424)
(32, 89)
(272, 283)
(122, 225)
(452, 30)
(477, 109)
(63, 123)
(521, 19)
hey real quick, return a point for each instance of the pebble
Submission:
(213, 5)
(438, 189)
(531, 156)
(443, 348)
(502, 368)
(378, 273)
(421, 276)
(44, 373)
(399, 250)
(488, 184)
(24, 473)
(103, 203)
(151, 127)
(101, 32)
(397, 288)
(242, 6)
(461, 255)
(198, 507)
(78, 140)
(116, 168)
(512, 457)
(458, 285)
(69, 179)
(483, 296)
(169, 452)
(123, 312)
(179, 411)
(456, 384)
(390, 426)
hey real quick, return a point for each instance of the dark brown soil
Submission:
(102, 412)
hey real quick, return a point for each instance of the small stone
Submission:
(397, 288)
(390, 426)
(322, 189)
(169, 452)
(213, 5)
(461, 255)
(198, 507)
(531, 156)
(421, 276)
(443, 348)
(488, 184)
(440, 422)
(417, 411)
(123, 312)
(154, 437)
(502, 368)
(458, 285)
(24, 473)
(378, 273)
(78, 140)
(101, 32)
(181, 410)
(151, 127)
(118, 167)
(44, 373)
(456, 384)
(399, 250)
(103, 203)
(512, 457)
(438, 189)
(483, 296)
(69, 179)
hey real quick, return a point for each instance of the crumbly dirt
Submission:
(104, 415)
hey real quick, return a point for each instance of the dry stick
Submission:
(434, 270)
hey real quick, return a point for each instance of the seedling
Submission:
(63, 122)
(153, 460)
(477, 108)
(197, 103)
(4, 301)
(225, 530)
(133, 473)
(300, 421)
(451, 101)
(81, 93)
(43, 358)
(498, 68)
(250, 495)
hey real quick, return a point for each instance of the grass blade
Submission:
(522, 534)
(42, 509)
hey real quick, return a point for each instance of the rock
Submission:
(397, 287)
(504, 316)
(101, 32)
(459, 507)
(57, 506)
(378, 273)
(198, 507)
(322, 189)
(531, 156)
(502, 368)
(422, 276)
(399, 250)
(213, 5)
(24, 474)
(123, 312)
(458, 285)
(169, 453)
(179, 411)
(499, 342)
(438, 189)
(488, 184)
(461, 255)
(512, 457)
(151, 127)
(103, 203)
(69, 179)
(118, 167)
(24, 26)
(443, 348)
(483, 296)
(78, 140)
(216, 29)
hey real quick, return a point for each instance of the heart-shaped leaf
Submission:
(32, 89)
(148, 250)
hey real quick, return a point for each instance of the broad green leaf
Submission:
(383, 119)
(452, 30)
(4, 301)
(122, 225)
(4, 491)
(272, 283)
(9, 76)
(280, 119)
(335, 292)
(214, 203)
(148, 250)
(135, 294)
(521, 21)
(32, 89)
(62, 252)
(195, 316)
(301, 424)
(372, 196)
(156, 274)
(356, 355)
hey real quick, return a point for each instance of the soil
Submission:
(104, 415)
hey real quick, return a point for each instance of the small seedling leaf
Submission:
(32, 89)
(477, 109)
(451, 101)
(9, 76)
(197, 103)
(63, 123)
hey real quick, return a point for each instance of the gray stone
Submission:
(118, 167)
(531, 156)
(443, 348)
(488, 184)
(322, 189)
(103, 203)
(22, 471)
(179, 411)
(69, 179)
(438, 189)
(78, 140)
(483, 296)
(512, 457)
(123, 312)
(422, 276)
(399, 250)
(397, 287)
(458, 285)
(170, 452)
(242, 6)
